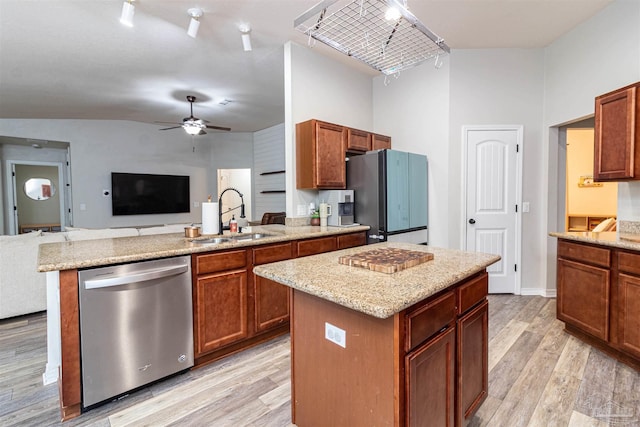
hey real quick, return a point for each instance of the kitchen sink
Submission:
(212, 240)
(253, 236)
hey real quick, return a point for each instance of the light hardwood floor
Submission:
(539, 376)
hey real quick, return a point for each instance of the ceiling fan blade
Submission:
(217, 127)
(202, 132)
(173, 127)
(169, 123)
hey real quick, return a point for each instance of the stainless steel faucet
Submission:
(220, 206)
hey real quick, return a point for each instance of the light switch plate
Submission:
(525, 206)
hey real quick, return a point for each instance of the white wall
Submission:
(598, 56)
(100, 147)
(414, 110)
(233, 150)
(318, 87)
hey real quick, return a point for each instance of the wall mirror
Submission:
(39, 188)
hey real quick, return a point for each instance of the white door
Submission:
(493, 184)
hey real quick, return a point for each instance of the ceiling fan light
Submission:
(192, 129)
(128, 10)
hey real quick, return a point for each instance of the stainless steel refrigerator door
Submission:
(135, 325)
(363, 177)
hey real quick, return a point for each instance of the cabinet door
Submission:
(397, 191)
(379, 142)
(316, 246)
(472, 361)
(358, 141)
(352, 240)
(629, 314)
(430, 382)
(583, 297)
(330, 147)
(271, 298)
(615, 133)
(221, 310)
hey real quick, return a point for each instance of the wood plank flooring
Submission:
(539, 376)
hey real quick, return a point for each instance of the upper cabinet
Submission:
(617, 135)
(321, 149)
(379, 142)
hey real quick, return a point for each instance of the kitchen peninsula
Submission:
(232, 308)
(372, 348)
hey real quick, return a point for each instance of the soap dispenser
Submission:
(233, 224)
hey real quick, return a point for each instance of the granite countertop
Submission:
(613, 239)
(92, 253)
(377, 294)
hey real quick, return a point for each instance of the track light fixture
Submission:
(195, 13)
(245, 29)
(128, 9)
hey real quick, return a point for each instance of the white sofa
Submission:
(22, 287)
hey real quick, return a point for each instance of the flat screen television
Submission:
(141, 194)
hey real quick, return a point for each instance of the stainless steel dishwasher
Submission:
(135, 325)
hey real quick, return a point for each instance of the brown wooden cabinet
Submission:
(271, 299)
(358, 141)
(599, 297)
(320, 155)
(430, 384)
(378, 142)
(617, 135)
(220, 277)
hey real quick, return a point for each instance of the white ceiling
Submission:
(72, 59)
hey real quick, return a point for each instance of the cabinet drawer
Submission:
(351, 240)
(584, 253)
(629, 263)
(272, 253)
(316, 246)
(425, 321)
(472, 292)
(220, 261)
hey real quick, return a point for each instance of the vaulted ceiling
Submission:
(70, 59)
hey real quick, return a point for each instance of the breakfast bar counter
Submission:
(405, 348)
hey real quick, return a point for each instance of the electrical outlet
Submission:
(196, 204)
(302, 210)
(525, 206)
(335, 335)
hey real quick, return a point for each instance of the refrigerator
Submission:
(391, 196)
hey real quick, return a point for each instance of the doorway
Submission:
(492, 195)
(38, 196)
(240, 179)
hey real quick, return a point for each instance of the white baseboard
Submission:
(50, 375)
(547, 293)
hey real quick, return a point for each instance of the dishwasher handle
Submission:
(142, 276)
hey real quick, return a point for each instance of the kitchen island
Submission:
(401, 349)
(232, 308)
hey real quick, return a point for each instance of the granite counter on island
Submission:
(401, 349)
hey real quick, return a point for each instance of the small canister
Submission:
(192, 231)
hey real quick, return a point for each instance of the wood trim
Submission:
(70, 371)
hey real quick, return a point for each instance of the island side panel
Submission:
(69, 378)
(332, 385)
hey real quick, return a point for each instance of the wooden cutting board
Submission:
(386, 260)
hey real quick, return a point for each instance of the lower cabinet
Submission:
(431, 382)
(271, 299)
(472, 361)
(599, 297)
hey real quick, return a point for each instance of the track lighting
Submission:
(195, 14)
(128, 9)
(245, 29)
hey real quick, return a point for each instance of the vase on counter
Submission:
(315, 218)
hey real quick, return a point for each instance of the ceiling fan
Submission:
(193, 125)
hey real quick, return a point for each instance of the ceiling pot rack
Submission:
(360, 29)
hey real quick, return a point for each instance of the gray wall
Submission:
(99, 147)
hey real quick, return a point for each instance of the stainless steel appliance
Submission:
(342, 206)
(135, 325)
(391, 194)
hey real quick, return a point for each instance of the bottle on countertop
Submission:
(233, 224)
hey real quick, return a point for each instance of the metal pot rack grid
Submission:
(360, 29)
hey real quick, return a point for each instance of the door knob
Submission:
(472, 221)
